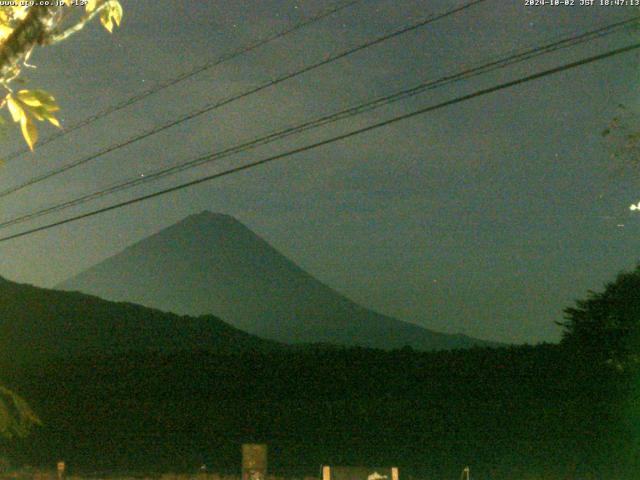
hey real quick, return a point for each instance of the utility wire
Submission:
(239, 96)
(463, 98)
(503, 62)
(187, 75)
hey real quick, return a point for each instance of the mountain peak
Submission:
(207, 229)
(210, 263)
(205, 223)
(207, 216)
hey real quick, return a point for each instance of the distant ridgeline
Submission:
(36, 323)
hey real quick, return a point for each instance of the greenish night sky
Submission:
(487, 218)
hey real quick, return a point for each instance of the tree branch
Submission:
(58, 36)
(30, 32)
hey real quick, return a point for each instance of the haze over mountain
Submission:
(212, 264)
(36, 322)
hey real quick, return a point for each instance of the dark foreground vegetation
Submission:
(568, 411)
(503, 411)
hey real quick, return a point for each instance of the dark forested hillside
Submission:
(36, 322)
(120, 387)
(501, 411)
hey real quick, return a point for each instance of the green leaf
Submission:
(29, 131)
(111, 14)
(91, 5)
(16, 111)
(37, 98)
(53, 121)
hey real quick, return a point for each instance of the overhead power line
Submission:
(221, 103)
(344, 136)
(379, 102)
(188, 74)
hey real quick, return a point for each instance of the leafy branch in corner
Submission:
(22, 29)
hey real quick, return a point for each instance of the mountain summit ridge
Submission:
(211, 263)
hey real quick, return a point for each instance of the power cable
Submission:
(187, 75)
(323, 120)
(334, 139)
(236, 97)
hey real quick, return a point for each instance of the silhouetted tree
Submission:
(606, 326)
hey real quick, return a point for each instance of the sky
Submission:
(485, 218)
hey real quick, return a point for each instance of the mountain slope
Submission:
(212, 264)
(36, 321)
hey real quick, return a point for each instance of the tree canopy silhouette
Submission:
(606, 325)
